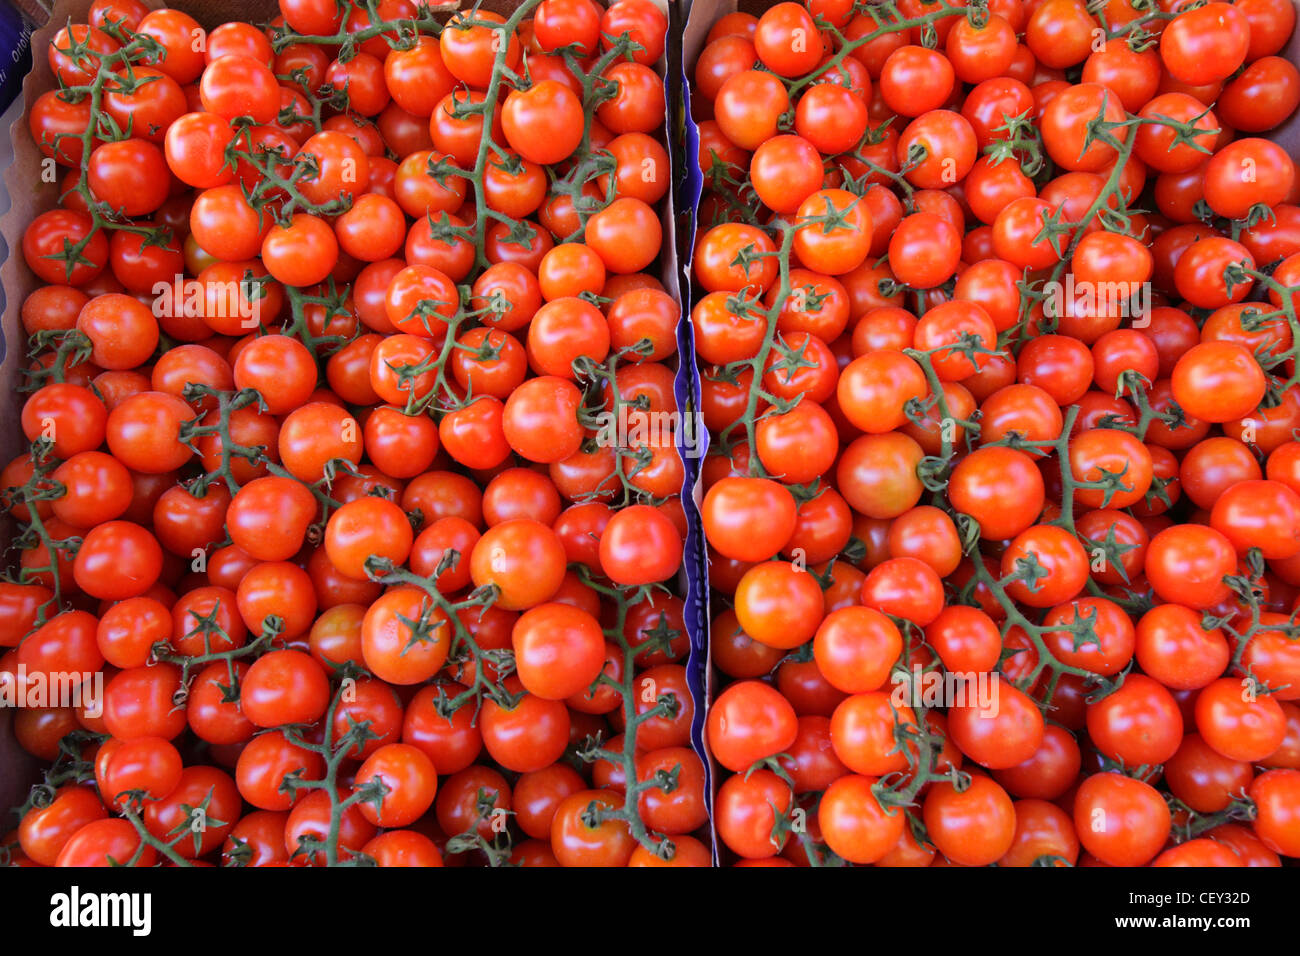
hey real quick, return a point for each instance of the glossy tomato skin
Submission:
(923, 461)
(1135, 820)
(46, 831)
(528, 736)
(111, 842)
(1011, 737)
(576, 842)
(400, 618)
(748, 722)
(403, 848)
(1186, 564)
(263, 764)
(853, 822)
(199, 786)
(409, 778)
(1275, 824)
(745, 813)
(974, 826)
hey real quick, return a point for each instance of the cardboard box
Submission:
(30, 196)
(703, 15)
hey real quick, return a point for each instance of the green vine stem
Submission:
(666, 705)
(116, 67)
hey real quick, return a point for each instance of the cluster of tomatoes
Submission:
(334, 315)
(998, 331)
(355, 471)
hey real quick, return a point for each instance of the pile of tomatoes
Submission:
(331, 318)
(356, 465)
(997, 324)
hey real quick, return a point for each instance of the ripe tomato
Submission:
(1205, 45)
(1119, 820)
(853, 822)
(577, 840)
(410, 782)
(745, 813)
(112, 842)
(284, 687)
(749, 721)
(405, 637)
(45, 831)
(1237, 723)
(1186, 565)
(971, 827)
(365, 530)
(526, 736)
